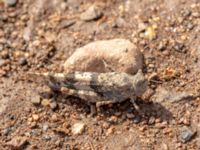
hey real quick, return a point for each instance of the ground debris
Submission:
(78, 128)
(186, 134)
(17, 143)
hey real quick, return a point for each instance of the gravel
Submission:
(186, 134)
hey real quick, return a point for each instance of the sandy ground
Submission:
(40, 35)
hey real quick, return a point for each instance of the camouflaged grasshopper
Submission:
(98, 88)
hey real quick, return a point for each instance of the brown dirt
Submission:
(172, 55)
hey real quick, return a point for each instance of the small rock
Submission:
(2, 62)
(118, 55)
(10, 2)
(47, 137)
(1, 47)
(186, 135)
(6, 131)
(59, 143)
(36, 100)
(130, 115)
(106, 125)
(53, 105)
(190, 26)
(61, 131)
(45, 127)
(35, 117)
(5, 54)
(167, 130)
(92, 13)
(179, 47)
(142, 129)
(119, 22)
(118, 113)
(17, 143)
(54, 117)
(23, 61)
(136, 119)
(33, 125)
(151, 120)
(27, 134)
(162, 45)
(110, 131)
(113, 119)
(78, 128)
(45, 102)
(141, 27)
(164, 146)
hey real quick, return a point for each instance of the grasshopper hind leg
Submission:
(135, 105)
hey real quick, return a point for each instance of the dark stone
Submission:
(23, 61)
(137, 119)
(186, 135)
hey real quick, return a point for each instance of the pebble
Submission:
(125, 56)
(110, 131)
(1, 47)
(36, 100)
(35, 117)
(59, 143)
(162, 46)
(151, 120)
(186, 134)
(33, 125)
(78, 128)
(130, 115)
(2, 62)
(167, 130)
(137, 119)
(119, 22)
(45, 127)
(179, 47)
(54, 117)
(190, 26)
(53, 105)
(27, 134)
(92, 13)
(5, 54)
(106, 125)
(6, 131)
(45, 102)
(10, 2)
(113, 119)
(47, 137)
(23, 61)
(118, 113)
(142, 129)
(17, 142)
(141, 27)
